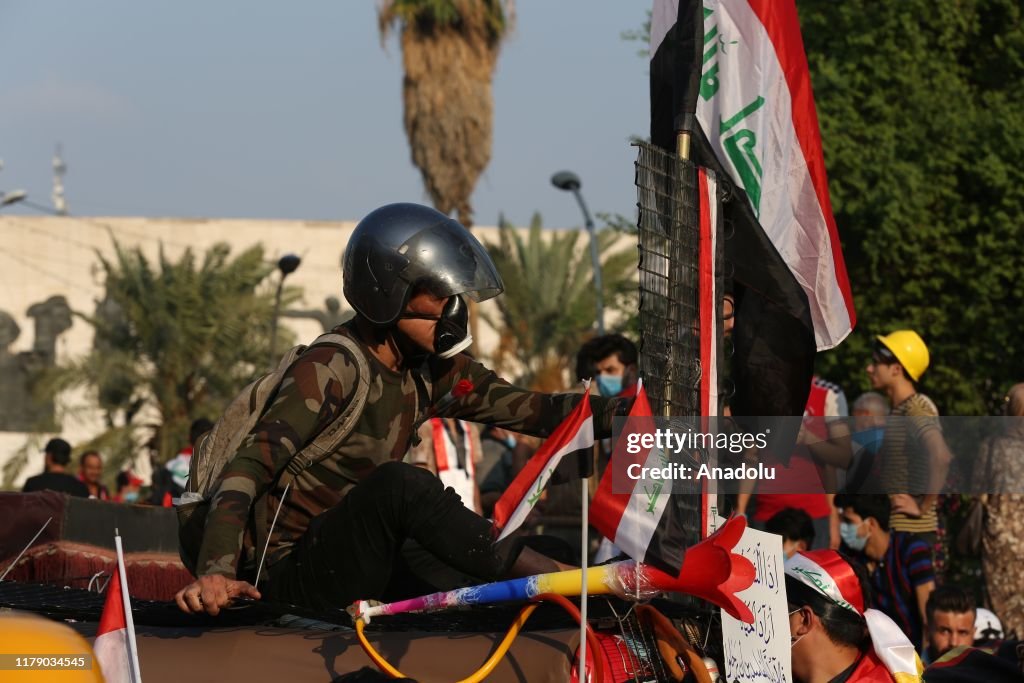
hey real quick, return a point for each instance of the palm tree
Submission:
(449, 50)
(173, 342)
(548, 308)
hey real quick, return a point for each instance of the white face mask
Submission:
(793, 641)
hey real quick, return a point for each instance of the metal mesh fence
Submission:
(668, 241)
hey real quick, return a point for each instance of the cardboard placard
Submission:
(760, 652)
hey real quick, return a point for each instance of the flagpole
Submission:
(133, 648)
(584, 523)
(584, 545)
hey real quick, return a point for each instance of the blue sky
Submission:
(232, 108)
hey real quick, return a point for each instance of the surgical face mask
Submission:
(131, 496)
(848, 532)
(609, 385)
(793, 641)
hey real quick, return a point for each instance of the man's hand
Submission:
(210, 593)
(905, 503)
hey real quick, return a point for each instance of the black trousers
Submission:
(354, 550)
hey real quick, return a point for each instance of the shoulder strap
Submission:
(323, 445)
(328, 440)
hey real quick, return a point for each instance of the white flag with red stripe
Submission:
(755, 108)
(115, 646)
(576, 433)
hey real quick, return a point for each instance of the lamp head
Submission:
(288, 264)
(12, 197)
(566, 180)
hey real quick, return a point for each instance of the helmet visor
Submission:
(445, 259)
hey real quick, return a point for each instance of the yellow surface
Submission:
(569, 582)
(28, 635)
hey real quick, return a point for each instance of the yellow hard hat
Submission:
(34, 648)
(909, 349)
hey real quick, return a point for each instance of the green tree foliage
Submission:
(548, 308)
(174, 341)
(921, 108)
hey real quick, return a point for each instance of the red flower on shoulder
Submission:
(462, 387)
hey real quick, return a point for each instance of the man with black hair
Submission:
(835, 637)
(796, 528)
(950, 611)
(611, 360)
(56, 477)
(899, 564)
(90, 470)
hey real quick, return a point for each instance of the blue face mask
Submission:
(131, 496)
(609, 385)
(848, 532)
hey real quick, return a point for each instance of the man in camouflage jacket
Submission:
(343, 520)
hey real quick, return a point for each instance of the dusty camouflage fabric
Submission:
(311, 395)
(1000, 469)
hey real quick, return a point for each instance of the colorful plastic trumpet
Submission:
(710, 571)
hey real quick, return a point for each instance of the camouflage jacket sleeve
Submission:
(492, 400)
(311, 395)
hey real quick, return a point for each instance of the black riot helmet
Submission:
(399, 247)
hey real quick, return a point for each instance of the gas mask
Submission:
(451, 335)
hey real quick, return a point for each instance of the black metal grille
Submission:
(668, 241)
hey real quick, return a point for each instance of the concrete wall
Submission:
(45, 256)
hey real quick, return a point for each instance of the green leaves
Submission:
(922, 124)
(175, 339)
(549, 304)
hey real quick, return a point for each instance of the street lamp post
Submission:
(287, 264)
(569, 181)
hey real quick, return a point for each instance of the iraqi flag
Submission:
(640, 516)
(734, 73)
(115, 646)
(574, 438)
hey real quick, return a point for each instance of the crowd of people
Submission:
(407, 269)
(877, 501)
(167, 484)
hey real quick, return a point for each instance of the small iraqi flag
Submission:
(640, 516)
(574, 435)
(115, 647)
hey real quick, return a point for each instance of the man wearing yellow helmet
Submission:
(915, 458)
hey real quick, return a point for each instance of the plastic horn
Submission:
(710, 571)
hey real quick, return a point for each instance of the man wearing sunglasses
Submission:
(914, 454)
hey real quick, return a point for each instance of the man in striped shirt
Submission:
(899, 563)
(915, 458)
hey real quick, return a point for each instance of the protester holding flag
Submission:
(407, 270)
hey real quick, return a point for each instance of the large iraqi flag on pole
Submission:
(734, 74)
